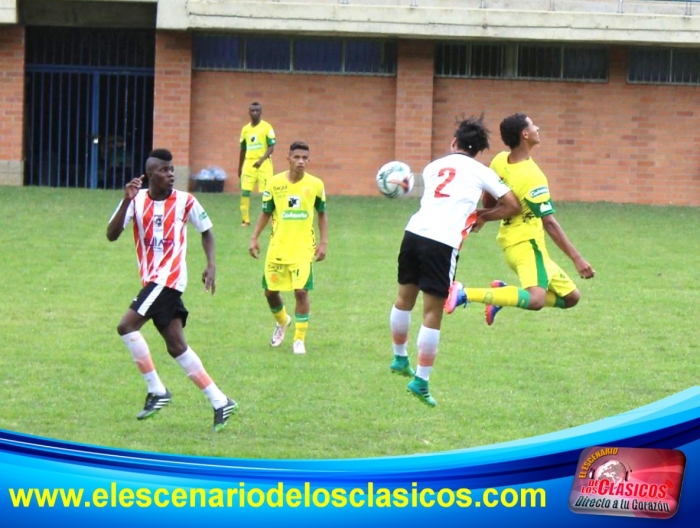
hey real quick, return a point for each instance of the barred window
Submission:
(588, 64)
(664, 66)
(318, 55)
(263, 53)
(470, 60)
(522, 61)
(539, 62)
(339, 56)
(216, 52)
(370, 56)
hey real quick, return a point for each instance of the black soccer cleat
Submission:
(221, 415)
(154, 403)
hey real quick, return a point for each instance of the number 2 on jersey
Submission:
(450, 173)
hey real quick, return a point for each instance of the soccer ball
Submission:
(395, 179)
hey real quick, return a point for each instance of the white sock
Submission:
(428, 340)
(140, 353)
(400, 322)
(217, 398)
(192, 365)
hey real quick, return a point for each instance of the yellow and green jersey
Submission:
(530, 185)
(293, 206)
(256, 139)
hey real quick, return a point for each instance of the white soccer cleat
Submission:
(278, 333)
(299, 347)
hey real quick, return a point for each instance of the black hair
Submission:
(161, 154)
(299, 145)
(155, 156)
(472, 135)
(255, 103)
(512, 128)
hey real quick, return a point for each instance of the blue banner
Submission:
(527, 482)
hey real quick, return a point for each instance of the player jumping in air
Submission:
(542, 281)
(431, 243)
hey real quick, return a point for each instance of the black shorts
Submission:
(161, 304)
(428, 264)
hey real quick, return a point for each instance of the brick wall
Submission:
(347, 121)
(172, 99)
(610, 141)
(616, 142)
(414, 103)
(11, 105)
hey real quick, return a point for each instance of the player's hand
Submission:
(585, 271)
(320, 252)
(254, 248)
(133, 187)
(478, 224)
(257, 164)
(209, 279)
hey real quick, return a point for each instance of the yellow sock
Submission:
(280, 316)
(505, 296)
(245, 208)
(301, 325)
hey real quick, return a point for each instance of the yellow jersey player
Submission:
(255, 162)
(522, 237)
(291, 199)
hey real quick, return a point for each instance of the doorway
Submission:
(89, 106)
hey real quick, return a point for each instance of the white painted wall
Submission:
(609, 21)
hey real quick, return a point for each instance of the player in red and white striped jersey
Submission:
(160, 215)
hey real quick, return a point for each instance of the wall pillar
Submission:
(172, 100)
(11, 105)
(414, 105)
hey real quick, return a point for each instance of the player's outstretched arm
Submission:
(209, 273)
(505, 207)
(116, 224)
(557, 234)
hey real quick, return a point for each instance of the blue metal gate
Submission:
(89, 106)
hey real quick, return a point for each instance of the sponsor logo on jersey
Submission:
(158, 243)
(158, 220)
(266, 195)
(545, 207)
(293, 202)
(538, 192)
(295, 215)
(202, 215)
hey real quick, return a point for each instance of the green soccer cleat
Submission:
(420, 389)
(401, 365)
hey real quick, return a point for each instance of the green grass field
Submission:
(65, 374)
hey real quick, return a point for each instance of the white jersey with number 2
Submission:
(453, 187)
